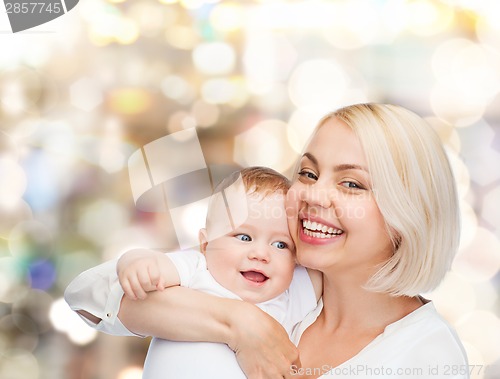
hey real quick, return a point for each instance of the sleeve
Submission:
(98, 292)
(187, 262)
(301, 296)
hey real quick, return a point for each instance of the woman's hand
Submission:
(262, 346)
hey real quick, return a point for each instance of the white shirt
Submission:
(98, 291)
(420, 345)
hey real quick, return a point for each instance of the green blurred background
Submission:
(80, 94)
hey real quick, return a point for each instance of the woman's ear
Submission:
(203, 238)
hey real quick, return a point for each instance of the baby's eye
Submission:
(243, 237)
(280, 244)
(308, 174)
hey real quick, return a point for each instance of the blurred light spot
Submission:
(469, 224)
(180, 120)
(69, 265)
(268, 58)
(86, 94)
(18, 364)
(318, 83)
(20, 90)
(111, 154)
(455, 107)
(27, 127)
(31, 239)
(468, 79)
(35, 304)
(218, 91)
(137, 237)
(353, 24)
(181, 37)
(487, 26)
(447, 133)
(101, 219)
(12, 215)
(193, 4)
(228, 17)
(480, 260)
(187, 221)
(300, 127)
(57, 139)
(477, 151)
(149, 17)
(491, 206)
(214, 58)
(128, 32)
(64, 320)
(133, 372)
(428, 18)
(274, 99)
(16, 323)
(108, 25)
(486, 295)
(8, 145)
(11, 276)
(42, 274)
(130, 101)
(303, 15)
(12, 98)
(44, 186)
(460, 172)
(176, 88)
(265, 144)
(481, 329)
(454, 297)
(13, 183)
(204, 113)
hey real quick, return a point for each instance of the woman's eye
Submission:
(308, 174)
(350, 184)
(280, 244)
(243, 237)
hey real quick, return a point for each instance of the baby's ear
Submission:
(203, 238)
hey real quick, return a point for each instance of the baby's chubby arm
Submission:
(142, 270)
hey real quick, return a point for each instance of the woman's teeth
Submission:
(318, 230)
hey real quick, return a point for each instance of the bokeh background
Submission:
(79, 95)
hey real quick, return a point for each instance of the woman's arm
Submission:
(262, 346)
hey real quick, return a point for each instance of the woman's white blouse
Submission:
(420, 345)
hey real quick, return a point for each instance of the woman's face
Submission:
(334, 218)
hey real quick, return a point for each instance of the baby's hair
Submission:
(257, 179)
(261, 181)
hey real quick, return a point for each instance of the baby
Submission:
(246, 254)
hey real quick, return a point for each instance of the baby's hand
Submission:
(141, 271)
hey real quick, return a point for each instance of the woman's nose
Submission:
(317, 194)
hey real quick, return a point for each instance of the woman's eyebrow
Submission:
(337, 168)
(349, 166)
(311, 157)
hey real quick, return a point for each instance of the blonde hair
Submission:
(258, 180)
(414, 188)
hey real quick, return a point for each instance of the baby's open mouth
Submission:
(254, 276)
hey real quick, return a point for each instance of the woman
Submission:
(374, 208)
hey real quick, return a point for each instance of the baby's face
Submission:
(256, 259)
